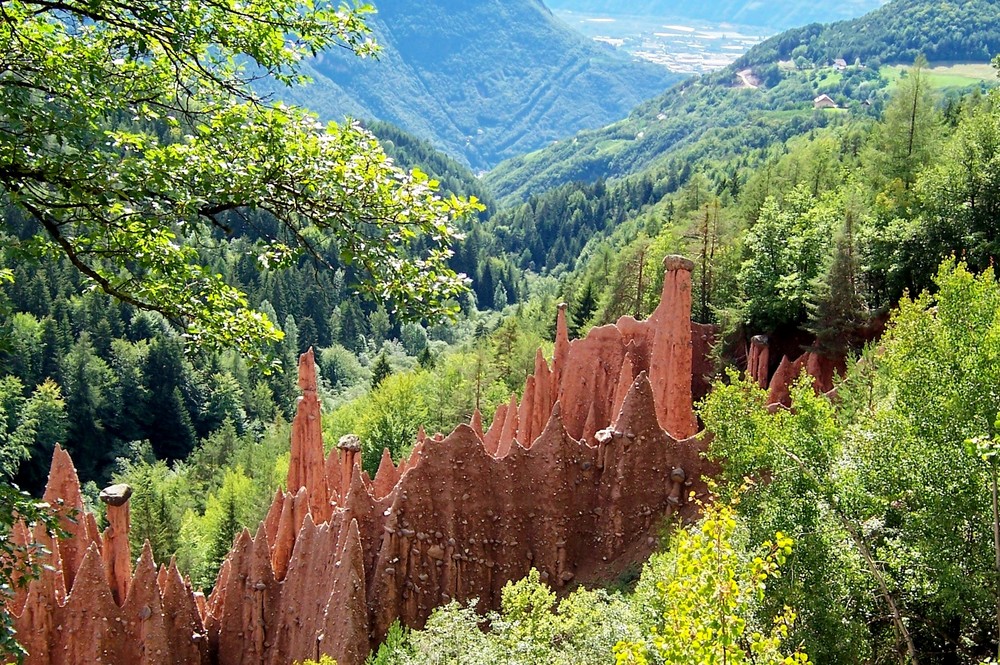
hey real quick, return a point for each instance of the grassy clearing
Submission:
(947, 75)
(827, 76)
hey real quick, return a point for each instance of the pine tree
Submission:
(229, 526)
(380, 370)
(426, 359)
(379, 326)
(87, 377)
(499, 297)
(152, 519)
(169, 427)
(353, 327)
(586, 305)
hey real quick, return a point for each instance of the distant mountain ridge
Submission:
(776, 14)
(482, 80)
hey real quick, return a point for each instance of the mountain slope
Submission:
(896, 33)
(483, 79)
(779, 14)
(703, 114)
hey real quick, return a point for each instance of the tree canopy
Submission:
(131, 137)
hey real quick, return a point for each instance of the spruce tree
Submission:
(380, 370)
(169, 427)
(836, 308)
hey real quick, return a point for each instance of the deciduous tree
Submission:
(131, 133)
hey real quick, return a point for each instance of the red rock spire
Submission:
(306, 469)
(63, 491)
(509, 431)
(670, 359)
(477, 423)
(758, 360)
(116, 553)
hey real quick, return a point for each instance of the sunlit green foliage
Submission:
(132, 134)
(703, 593)
(531, 628)
(324, 660)
(890, 508)
(785, 250)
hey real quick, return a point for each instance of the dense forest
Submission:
(898, 32)
(854, 527)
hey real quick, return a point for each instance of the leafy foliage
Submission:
(887, 472)
(785, 249)
(324, 660)
(703, 591)
(131, 133)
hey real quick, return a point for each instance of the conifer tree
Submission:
(835, 304)
(87, 377)
(169, 427)
(909, 133)
(380, 370)
(586, 305)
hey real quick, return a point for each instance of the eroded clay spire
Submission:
(758, 359)
(306, 467)
(116, 552)
(525, 414)
(625, 379)
(477, 424)
(386, 477)
(509, 431)
(491, 441)
(670, 360)
(63, 491)
(543, 402)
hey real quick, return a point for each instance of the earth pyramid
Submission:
(574, 480)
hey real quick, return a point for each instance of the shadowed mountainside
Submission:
(483, 80)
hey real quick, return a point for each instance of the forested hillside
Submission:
(482, 80)
(112, 376)
(886, 200)
(780, 14)
(709, 115)
(895, 33)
